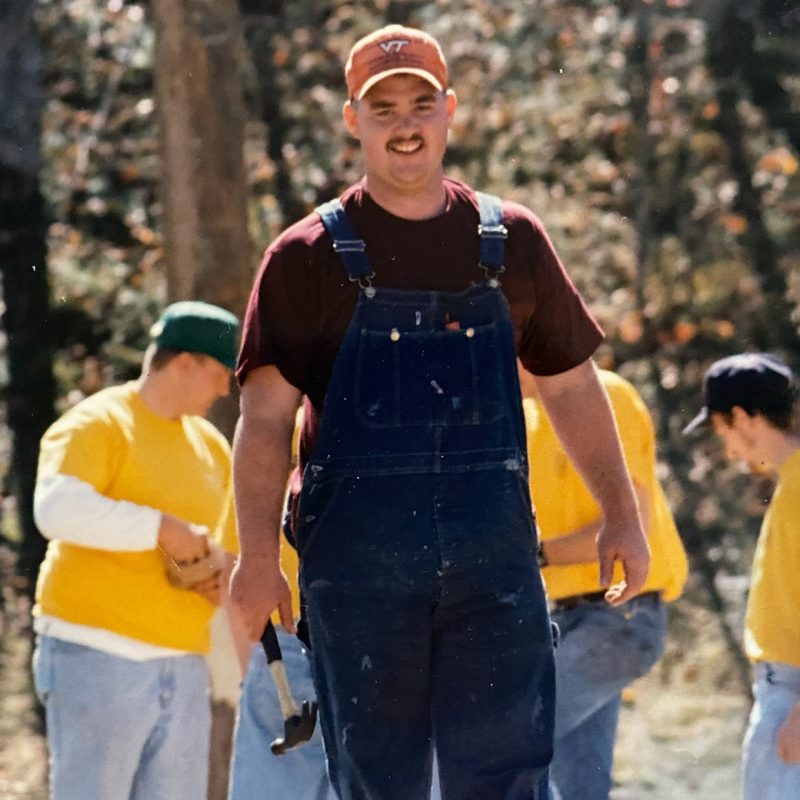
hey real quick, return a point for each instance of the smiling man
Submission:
(398, 310)
(749, 402)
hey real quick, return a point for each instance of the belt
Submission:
(575, 600)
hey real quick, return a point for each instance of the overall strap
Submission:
(493, 235)
(346, 243)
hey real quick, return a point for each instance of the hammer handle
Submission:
(269, 641)
(272, 649)
(289, 708)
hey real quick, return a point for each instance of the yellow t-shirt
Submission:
(115, 443)
(772, 630)
(290, 565)
(563, 503)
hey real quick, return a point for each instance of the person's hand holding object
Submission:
(190, 560)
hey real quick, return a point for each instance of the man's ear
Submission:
(350, 118)
(185, 360)
(740, 418)
(452, 104)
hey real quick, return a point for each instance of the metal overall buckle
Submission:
(498, 231)
(356, 246)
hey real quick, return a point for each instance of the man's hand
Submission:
(788, 739)
(256, 591)
(211, 589)
(181, 541)
(203, 575)
(628, 545)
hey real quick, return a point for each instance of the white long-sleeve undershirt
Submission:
(72, 510)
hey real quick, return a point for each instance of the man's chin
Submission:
(759, 467)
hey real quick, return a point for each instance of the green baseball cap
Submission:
(198, 327)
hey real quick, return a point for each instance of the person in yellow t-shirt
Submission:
(131, 480)
(749, 403)
(602, 648)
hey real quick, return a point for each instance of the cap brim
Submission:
(421, 73)
(700, 419)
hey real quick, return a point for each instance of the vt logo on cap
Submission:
(395, 46)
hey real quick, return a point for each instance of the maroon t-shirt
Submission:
(302, 300)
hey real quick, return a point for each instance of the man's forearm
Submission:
(261, 462)
(581, 416)
(72, 510)
(580, 545)
(577, 547)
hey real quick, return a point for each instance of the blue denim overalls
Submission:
(417, 543)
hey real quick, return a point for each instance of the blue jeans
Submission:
(765, 776)
(601, 650)
(255, 773)
(123, 730)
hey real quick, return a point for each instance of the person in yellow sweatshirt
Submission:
(130, 480)
(749, 403)
(602, 647)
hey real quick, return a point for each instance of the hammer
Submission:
(298, 724)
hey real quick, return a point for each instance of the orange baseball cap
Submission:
(394, 50)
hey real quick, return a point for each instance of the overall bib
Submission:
(426, 609)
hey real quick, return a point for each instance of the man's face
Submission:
(740, 438)
(402, 125)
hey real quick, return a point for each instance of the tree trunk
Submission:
(31, 388)
(201, 123)
(204, 192)
(729, 51)
(204, 186)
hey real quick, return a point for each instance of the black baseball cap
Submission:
(753, 381)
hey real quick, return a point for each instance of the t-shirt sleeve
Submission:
(561, 332)
(78, 459)
(283, 314)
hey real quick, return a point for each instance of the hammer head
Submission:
(297, 729)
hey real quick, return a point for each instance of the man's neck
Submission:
(784, 448)
(413, 205)
(159, 394)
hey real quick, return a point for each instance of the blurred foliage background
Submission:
(657, 139)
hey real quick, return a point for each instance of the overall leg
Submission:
(100, 710)
(601, 650)
(765, 776)
(493, 676)
(493, 695)
(299, 773)
(368, 575)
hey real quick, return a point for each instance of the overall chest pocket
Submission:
(428, 378)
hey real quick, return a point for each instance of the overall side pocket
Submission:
(314, 505)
